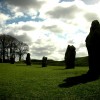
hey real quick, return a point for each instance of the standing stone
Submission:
(70, 57)
(44, 62)
(0, 60)
(12, 59)
(93, 48)
(28, 60)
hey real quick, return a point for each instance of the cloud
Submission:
(20, 31)
(25, 4)
(3, 17)
(81, 50)
(21, 27)
(21, 8)
(42, 48)
(65, 1)
(64, 12)
(42, 51)
(90, 2)
(82, 45)
(70, 42)
(91, 16)
(61, 52)
(53, 28)
(23, 37)
(81, 53)
(27, 28)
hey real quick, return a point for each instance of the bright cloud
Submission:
(3, 17)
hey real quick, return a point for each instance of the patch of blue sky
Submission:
(4, 9)
(47, 34)
(61, 36)
(37, 18)
(18, 19)
(23, 19)
(80, 31)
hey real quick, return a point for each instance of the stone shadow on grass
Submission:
(71, 81)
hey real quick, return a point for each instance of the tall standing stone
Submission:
(0, 60)
(93, 48)
(28, 59)
(70, 57)
(12, 59)
(44, 62)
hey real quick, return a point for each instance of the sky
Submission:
(49, 26)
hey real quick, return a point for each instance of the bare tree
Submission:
(11, 46)
(22, 48)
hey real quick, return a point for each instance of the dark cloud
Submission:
(62, 12)
(26, 4)
(66, 1)
(70, 42)
(81, 50)
(27, 28)
(52, 28)
(90, 2)
(41, 49)
(23, 37)
(82, 45)
(91, 16)
(62, 51)
(81, 54)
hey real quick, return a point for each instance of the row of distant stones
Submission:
(44, 60)
(28, 60)
(69, 58)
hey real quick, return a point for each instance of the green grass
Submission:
(21, 82)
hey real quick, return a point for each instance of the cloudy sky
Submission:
(49, 26)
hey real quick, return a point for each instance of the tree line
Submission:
(11, 47)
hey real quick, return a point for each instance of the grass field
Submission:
(21, 82)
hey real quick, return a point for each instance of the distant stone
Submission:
(0, 60)
(44, 62)
(70, 57)
(28, 60)
(12, 60)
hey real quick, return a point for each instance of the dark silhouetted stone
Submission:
(93, 48)
(44, 62)
(0, 60)
(12, 59)
(28, 60)
(70, 57)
